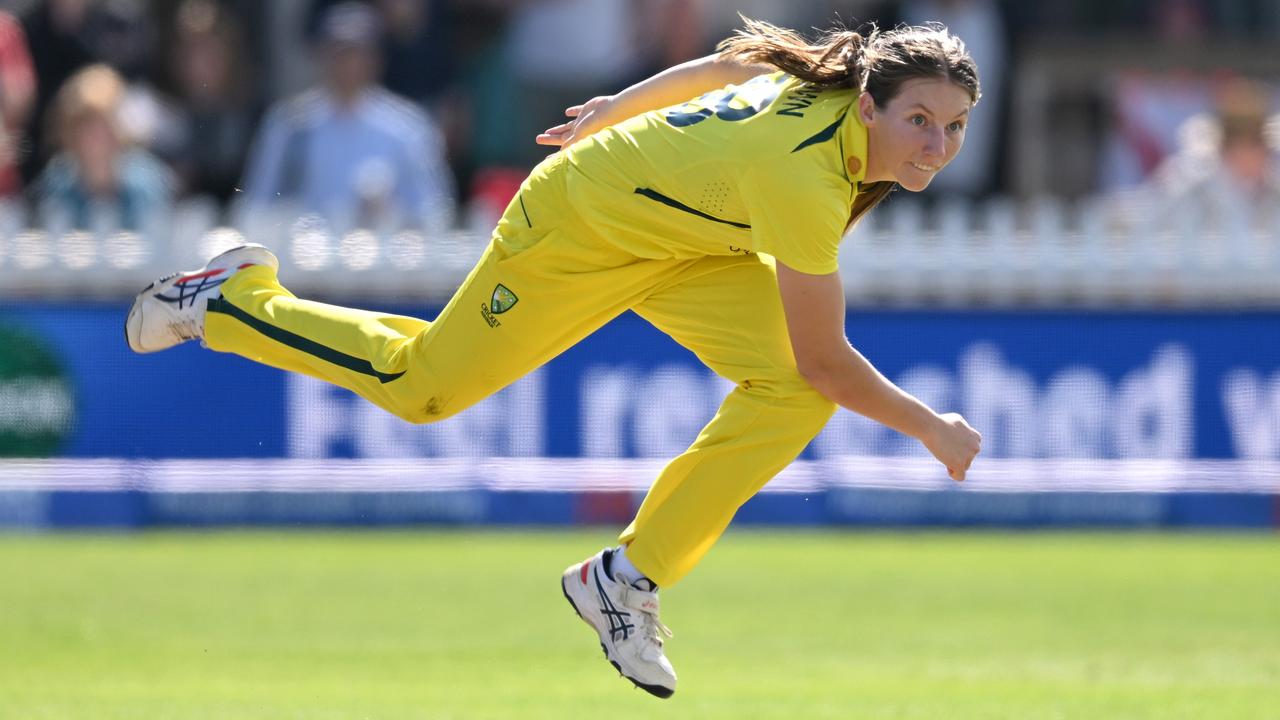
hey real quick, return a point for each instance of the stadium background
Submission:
(1094, 284)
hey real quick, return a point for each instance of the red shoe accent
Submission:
(586, 566)
(199, 276)
(246, 265)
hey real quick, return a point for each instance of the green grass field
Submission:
(250, 626)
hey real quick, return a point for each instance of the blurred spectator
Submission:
(60, 45)
(417, 47)
(1148, 111)
(350, 150)
(423, 51)
(66, 35)
(214, 114)
(97, 180)
(1224, 177)
(17, 97)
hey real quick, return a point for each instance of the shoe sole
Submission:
(655, 690)
(137, 299)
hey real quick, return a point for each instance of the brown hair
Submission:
(877, 63)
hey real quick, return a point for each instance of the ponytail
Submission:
(834, 61)
(877, 64)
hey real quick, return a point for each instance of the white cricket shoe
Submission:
(626, 619)
(170, 310)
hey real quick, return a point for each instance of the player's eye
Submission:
(955, 126)
(918, 120)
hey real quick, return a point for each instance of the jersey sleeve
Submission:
(797, 215)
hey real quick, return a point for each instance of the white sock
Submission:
(621, 565)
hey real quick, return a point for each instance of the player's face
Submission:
(917, 133)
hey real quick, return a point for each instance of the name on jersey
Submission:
(798, 101)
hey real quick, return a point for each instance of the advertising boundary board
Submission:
(130, 510)
(129, 495)
(1039, 385)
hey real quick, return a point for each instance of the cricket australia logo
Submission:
(501, 301)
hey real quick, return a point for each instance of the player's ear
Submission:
(866, 109)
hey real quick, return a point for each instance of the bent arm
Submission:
(669, 87)
(814, 308)
(682, 82)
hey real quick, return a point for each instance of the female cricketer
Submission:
(717, 219)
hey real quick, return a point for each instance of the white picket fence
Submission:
(1043, 253)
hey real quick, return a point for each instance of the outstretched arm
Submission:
(669, 87)
(814, 307)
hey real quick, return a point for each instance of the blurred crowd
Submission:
(392, 114)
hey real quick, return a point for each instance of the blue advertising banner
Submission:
(1122, 385)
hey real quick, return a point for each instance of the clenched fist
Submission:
(954, 443)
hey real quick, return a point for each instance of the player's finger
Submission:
(554, 136)
(573, 111)
(560, 131)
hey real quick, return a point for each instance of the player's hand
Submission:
(954, 443)
(585, 119)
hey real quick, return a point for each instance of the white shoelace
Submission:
(651, 626)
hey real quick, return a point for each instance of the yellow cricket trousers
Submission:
(545, 282)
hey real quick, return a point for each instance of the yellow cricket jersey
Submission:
(770, 166)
